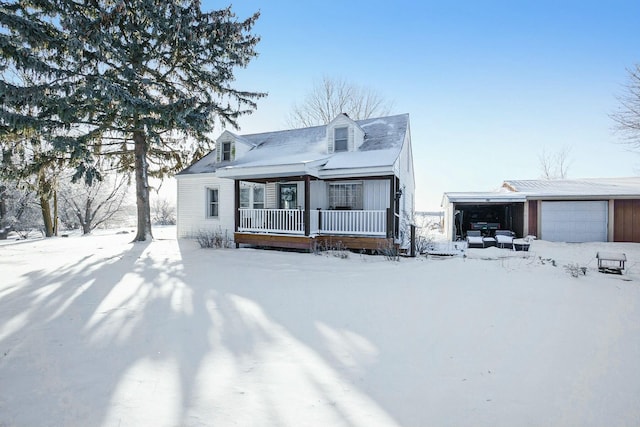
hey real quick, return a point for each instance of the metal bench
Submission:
(611, 262)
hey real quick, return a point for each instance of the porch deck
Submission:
(307, 243)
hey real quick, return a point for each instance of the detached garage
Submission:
(581, 210)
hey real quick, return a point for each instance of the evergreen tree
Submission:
(143, 81)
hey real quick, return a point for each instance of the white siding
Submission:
(319, 195)
(192, 205)
(355, 133)
(272, 195)
(449, 221)
(376, 194)
(403, 169)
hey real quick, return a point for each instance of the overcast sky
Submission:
(488, 85)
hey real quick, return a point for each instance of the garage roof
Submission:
(587, 187)
(520, 190)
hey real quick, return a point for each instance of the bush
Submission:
(213, 239)
(335, 249)
(575, 270)
(391, 252)
(423, 243)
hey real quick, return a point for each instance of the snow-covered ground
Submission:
(97, 331)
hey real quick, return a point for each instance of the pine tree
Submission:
(143, 81)
(35, 83)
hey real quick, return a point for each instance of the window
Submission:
(245, 197)
(213, 203)
(345, 196)
(226, 151)
(288, 196)
(258, 197)
(252, 196)
(340, 140)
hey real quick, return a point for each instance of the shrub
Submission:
(391, 252)
(335, 249)
(213, 239)
(575, 270)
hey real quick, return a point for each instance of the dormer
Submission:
(343, 134)
(230, 147)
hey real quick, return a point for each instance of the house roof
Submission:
(304, 151)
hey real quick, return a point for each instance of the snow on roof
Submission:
(207, 164)
(360, 159)
(384, 135)
(520, 190)
(629, 186)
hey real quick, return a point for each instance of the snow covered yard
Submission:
(96, 331)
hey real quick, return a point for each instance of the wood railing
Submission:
(291, 221)
(370, 223)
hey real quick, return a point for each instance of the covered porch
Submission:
(301, 212)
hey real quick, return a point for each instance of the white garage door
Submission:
(574, 221)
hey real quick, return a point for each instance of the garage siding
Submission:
(575, 221)
(626, 225)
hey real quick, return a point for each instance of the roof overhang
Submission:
(356, 172)
(269, 171)
(483, 198)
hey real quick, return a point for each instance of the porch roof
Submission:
(293, 165)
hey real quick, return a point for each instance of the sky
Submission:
(489, 86)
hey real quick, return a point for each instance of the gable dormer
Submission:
(230, 147)
(343, 134)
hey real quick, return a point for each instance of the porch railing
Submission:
(370, 223)
(291, 221)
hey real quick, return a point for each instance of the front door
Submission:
(288, 196)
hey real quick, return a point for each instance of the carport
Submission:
(486, 212)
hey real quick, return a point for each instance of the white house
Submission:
(349, 181)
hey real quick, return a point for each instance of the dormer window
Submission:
(226, 152)
(341, 139)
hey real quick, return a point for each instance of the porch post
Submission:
(392, 204)
(236, 202)
(307, 205)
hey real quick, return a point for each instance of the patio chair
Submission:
(474, 239)
(523, 244)
(504, 239)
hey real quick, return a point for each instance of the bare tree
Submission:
(555, 165)
(89, 206)
(627, 116)
(332, 96)
(163, 212)
(18, 211)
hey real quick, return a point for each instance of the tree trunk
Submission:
(86, 223)
(55, 212)
(46, 216)
(45, 207)
(142, 187)
(4, 228)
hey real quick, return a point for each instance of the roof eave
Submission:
(268, 171)
(357, 172)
